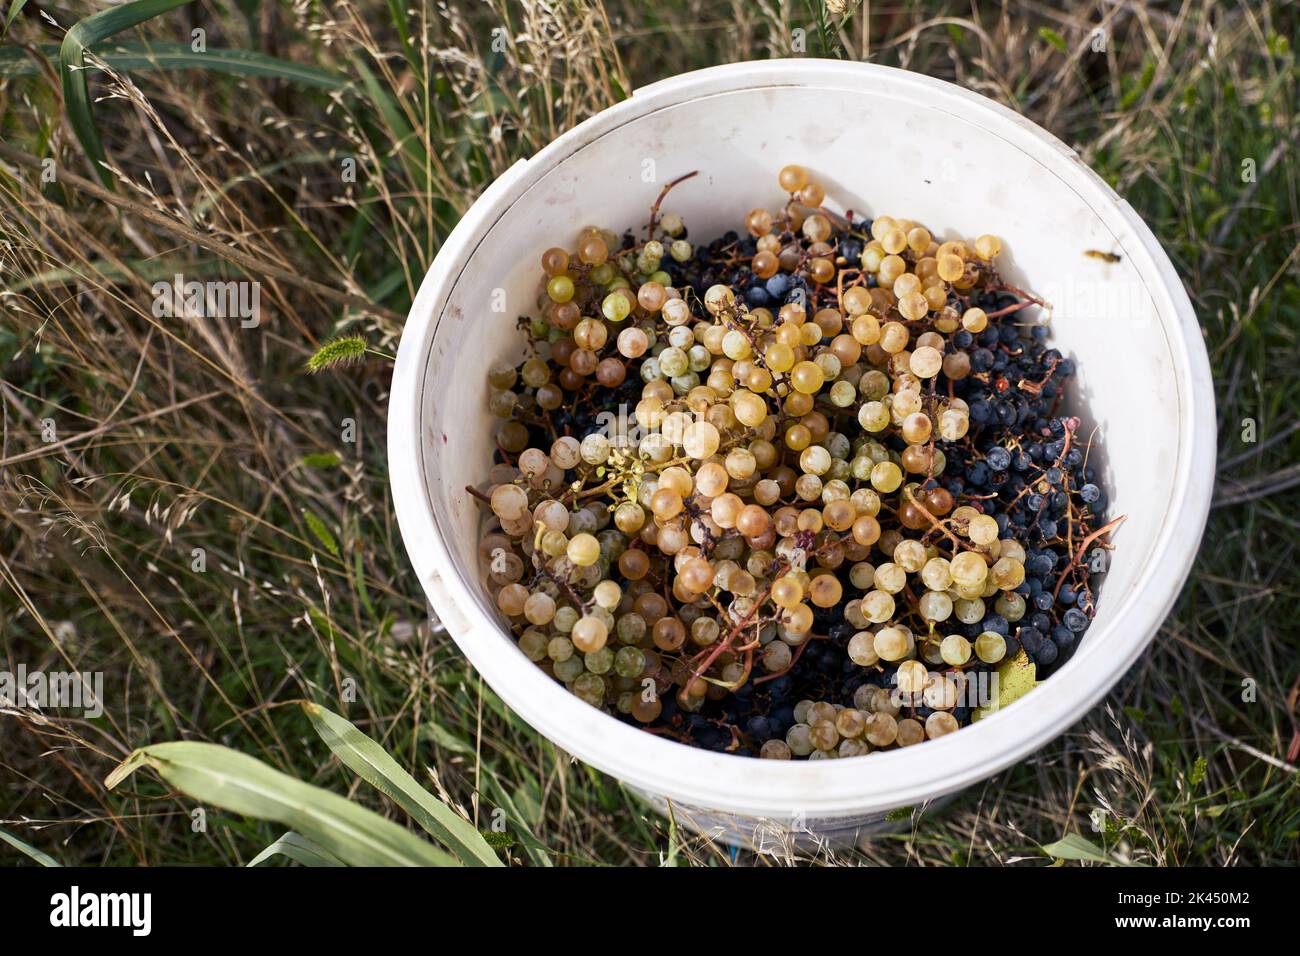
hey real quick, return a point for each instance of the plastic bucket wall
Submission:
(881, 141)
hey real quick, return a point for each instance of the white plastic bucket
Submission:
(881, 141)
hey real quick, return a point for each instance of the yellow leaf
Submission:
(1016, 678)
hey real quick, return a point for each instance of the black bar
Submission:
(332, 906)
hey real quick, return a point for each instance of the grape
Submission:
(911, 677)
(823, 734)
(878, 607)
(799, 619)
(629, 662)
(951, 267)
(568, 670)
(935, 606)
(1007, 573)
(936, 574)
(890, 577)
(777, 656)
(909, 732)
(645, 710)
(533, 643)
(560, 649)
(982, 529)
(807, 377)
(974, 320)
(669, 633)
(990, 647)
(821, 710)
(940, 723)
(881, 729)
(616, 306)
(629, 517)
(509, 502)
(988, 247)
(600, 661)
(775, 750)
(511, 599)
(968, 569)
(607, 594)
(583, 549)
(825, 590)
(909, 556)
(955, 650)
(560, 288)
(886, 476)
(850, 722)
(794, 436)
(1010, 605)
(564, 620)
(590, 688)
(704, 631)
(701, 440)
(890, 643)
(589, 634)
(539, 608)
(799, 739)
(917, 428)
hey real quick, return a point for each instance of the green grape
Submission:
(629, 662)
(599, 662)
(533, 643)
(568, 670)
(560, 288)
(615, 306)
(591, 688)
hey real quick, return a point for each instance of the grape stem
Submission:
(798, 652)
(998, 313)
(568, 589)
(617, 479)
(937, 524)
(1007, 287)
(1078, 557)
(663, 194)
(716, 650)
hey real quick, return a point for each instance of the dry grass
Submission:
(171, 435)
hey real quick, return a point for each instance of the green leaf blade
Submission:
(372, 763)
(15, 61)
(25, 848)
(241, 784)
(296, 847)
(84, 34)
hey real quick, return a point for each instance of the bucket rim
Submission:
(833, 787)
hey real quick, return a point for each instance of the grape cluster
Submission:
(875, 721)
(785, 493)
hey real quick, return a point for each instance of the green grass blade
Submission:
(1074, 846)
(15, 8)
(15, 61)
(41, 857)
(239, 783)
(179, 56)
(520, 822)
(298, 848)
(400, 134)
(76, 89)
(373, 764)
